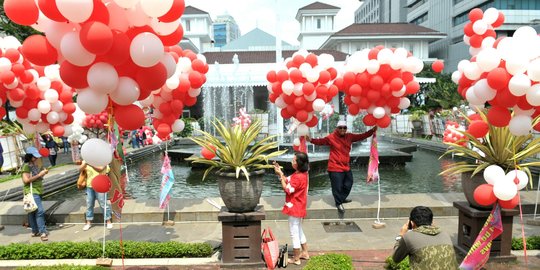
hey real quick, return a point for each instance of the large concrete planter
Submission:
(469, 184)
(240, 195)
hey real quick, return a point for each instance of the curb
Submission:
(116, 262)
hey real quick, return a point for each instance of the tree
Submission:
(10, 28)
(441, 94)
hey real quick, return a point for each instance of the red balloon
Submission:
(300, 102)
(437, 66)
(369, 120)
(207, 154)
(412, 87)
(154, 77)
(302, 116)
(468, 30)
(39, 51)
(282, 75)
(499, 21)
(478, 128)
(23, 12)
(312, 59)
(349, 78)
(498, 78)
(69, 108)
(118, 54)
(308, 88)
(58, 130)
(49, 9)
(44, 152)
(313, 122)
(499, 116)
(355, 90)
(129, 117)
(7, 77)
(271, 76)
(16, 94)
(21, 112)
(324, 77)
(73, 75)
(384, 122)
(475, 14)
(396, 84)
(483, 195)
(296, 76)
(476, 41)
(173, 38)
(96, 37)
(510, 204)
(376, 82)
(196, 79)
(174, 13)
(100, 13)
(101, 183)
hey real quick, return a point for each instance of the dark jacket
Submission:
(427, 248)
(340, 148)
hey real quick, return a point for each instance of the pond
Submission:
(418, 176)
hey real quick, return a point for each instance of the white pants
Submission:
(297, 234)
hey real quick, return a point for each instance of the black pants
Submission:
(341, 185)
(52, 159)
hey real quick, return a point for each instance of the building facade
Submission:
(197, 26)
(225, 30)
(381, 11)
(317, 23)
(450, 16)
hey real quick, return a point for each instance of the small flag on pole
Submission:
(167, 182)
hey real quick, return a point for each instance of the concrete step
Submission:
(191, 210)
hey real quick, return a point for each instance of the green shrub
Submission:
(330, 262)
(392, 265)
(91, 250)
(63, 267)
(533, 242)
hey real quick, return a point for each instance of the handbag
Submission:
(269, 248)
(81, 182)
(283, 257)
(29, 204)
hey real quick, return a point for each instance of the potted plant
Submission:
(240, 162)
(417, 119)
(499, 147)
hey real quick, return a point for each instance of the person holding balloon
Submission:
(53, 148)
(340, 142)
(92, 193)
(32, 176)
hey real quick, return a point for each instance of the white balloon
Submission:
(296, 142)
(311, 97)
(53, 118)
(385, 56)
(172, 83)
(287, 87)
(168, 61)
(373, 66)
(302, 130)
(490, 15)
(28, 128)
(504, 190)
(520, 125)
(5, 64)
(488, 59)
(472, 71)
(51, 95)
(43, 83)
(178, 125)
(297, 90)
(57, 106)
(146, 49)
(92, 102)
(74, 52)
(117, 16)
(326, 61)
(404, 103)
(34, 114)
(147, 101)
(127, 91)
(533, 95)
(126, 3)
(96, 152)
(312, 75)
(44, 106)
(162, 28)
(52, 72)
(400, 92)
(42, 127)
(136, 16)
(456, 76)
(156, 10)
(524, 33)
(318, 105)
(102, 78)
(194, 92)
(379, 112)
(517, 64)
(483, 91)
(521, 176)
(533, 70)
(472, 98)
(479, 27)
(75, 10)
(492, 173)
(519, 84)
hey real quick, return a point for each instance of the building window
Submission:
(318, 23)
(420, 19)
(457, 2)
(417, 5)
(188, 25)
(464, 16)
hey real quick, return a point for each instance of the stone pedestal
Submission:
(470, 223)
(241, 236)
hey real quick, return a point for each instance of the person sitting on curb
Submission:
(426, 245)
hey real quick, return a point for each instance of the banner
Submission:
(167, 182)
(479, 253)
(373, 165)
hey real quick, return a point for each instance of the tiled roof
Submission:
(194, 10)
(318, 5)
(254, 57)
(403, 29)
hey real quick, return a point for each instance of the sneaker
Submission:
(347, 201)
(44, 237)
(109, 226)
(86, 227)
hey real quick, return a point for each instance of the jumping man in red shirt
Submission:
(338, 164)
(296, 189)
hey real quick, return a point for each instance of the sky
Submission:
(250, 14)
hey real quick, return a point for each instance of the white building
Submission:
(317, 23)
(381, 11)
(197, 26)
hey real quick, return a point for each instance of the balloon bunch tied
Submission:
(502, 188)
(503, 72)
(113, 52)
(452, 133)
(303, 87)
(243, 119)
(41, 100)
(377, 81)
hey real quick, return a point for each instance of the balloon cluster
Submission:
(501, 187)
(107, 50)
(96, 121)
(303, 87)
(504, 72)
(149, 133)
(243, 119)
(377, 80)
(453, 133)
(181, 89)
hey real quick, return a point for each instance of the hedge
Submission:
(392, 265)
(533, 242)
(330, 262)
(63, 267)
(92, 250)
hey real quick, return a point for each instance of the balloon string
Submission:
(523, 231)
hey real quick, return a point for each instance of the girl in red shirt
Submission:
(296, 189)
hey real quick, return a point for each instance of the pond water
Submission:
(418, 176)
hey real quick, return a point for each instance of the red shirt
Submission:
(296, 195)
(340, 148)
